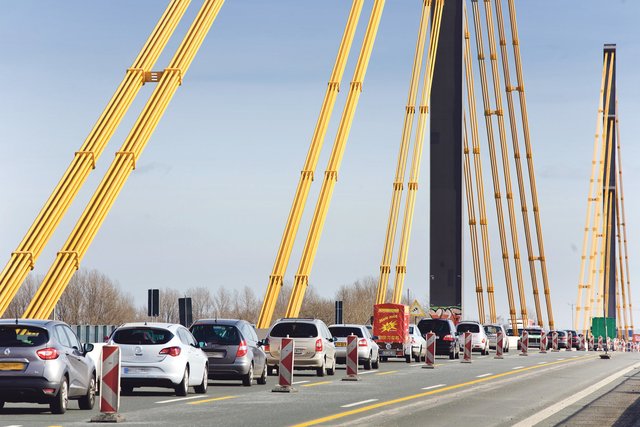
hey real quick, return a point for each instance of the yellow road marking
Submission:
(315, 384)
(428, 393)
(387, 373)
(215, 399)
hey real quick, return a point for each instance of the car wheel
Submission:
(271, 371)
(202, 388)
(320, 370)
(126, 389)
(88, 400)
(263, 378)
(1, 404)
(247, 380)
(453, 354)
(407, 358)
(182, 389)
(416, 357)
(332, 371)
(376, 363)
(367, 363)
(61, 400)
(458, 354)
(383, 358)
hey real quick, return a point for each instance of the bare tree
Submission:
(24, 296)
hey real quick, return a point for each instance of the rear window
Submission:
(491, 329)
(534, 331)
(22, 336)
(294, 330)
(216, 334)
(438, 327)
(141, 336)
(468, 327)
(344, 331)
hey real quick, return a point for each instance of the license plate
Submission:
(134, 370)
(216, 355)
(341, 344)
(388, 353)
(12, 366)
(299, 351)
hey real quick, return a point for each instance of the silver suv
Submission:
(42, 361)
(314, 348)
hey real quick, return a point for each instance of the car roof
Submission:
(348, 325)
(219, 322)
(150, 324)
(469, 322)
(30, 322)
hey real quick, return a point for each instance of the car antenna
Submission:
(16, 320)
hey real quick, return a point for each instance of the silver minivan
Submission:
(314, 348)
(42, 361)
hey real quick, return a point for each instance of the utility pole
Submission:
(573, 320)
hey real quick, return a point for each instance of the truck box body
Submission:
(391, 326)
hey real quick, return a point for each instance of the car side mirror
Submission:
(88, 347)
(259, 343)
(375, 338)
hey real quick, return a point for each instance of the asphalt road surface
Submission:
(564, 388)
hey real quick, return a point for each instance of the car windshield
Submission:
(141, 336)
(468, 327)
(22, 336)
(216, 334)
(438, 327)
(294, 330)
(344, 331)
(490, 329)
(533, 331)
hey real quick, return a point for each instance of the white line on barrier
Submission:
(433, 386)
(359, 403)
(517, 367)
(554, 409)
(180, 399)
(484, 375)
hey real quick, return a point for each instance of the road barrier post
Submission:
(609, 344)
(467, 347)
(430, 359)
(352, 359)
(524, 343)
(554, 341)
(591, 348)
(569, 346)
(285, 367)
(583, 344)
(543, 342)
(109, 386)
(600, 343)
(499, 345)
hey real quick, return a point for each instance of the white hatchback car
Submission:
(418, 344)
(160, 355)
(368, 351)
(479, 339)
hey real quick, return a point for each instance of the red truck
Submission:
(391, 327)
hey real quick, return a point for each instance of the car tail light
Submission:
(48, 353)
(318, 345)
(242, 349)
(267, 348)
(482, 340)
(48, 390)
(362, 342)
(171, 351)
(448, 338)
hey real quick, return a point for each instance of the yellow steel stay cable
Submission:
(24, 258)
(306, 176)
(468, 184)
(331, 174)
(494, 164)
(73, 251)
(477, 161)
(506, 167)
(529, 153)
(591, 205)
(624, 225)
(621, 273)
(516, 150)
(412, 185)
(410, 110)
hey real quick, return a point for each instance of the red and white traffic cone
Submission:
(499, 345)
(467, 347)
(554, 341)
(285, 367)
(524, 343)
(430, 360)
(352, 359)
(569, 346)
(543, 342)
(109, 386)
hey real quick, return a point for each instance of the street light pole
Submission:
(573, 320)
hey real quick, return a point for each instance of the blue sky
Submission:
(208, 201)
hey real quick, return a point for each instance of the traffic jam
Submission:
(43, 361)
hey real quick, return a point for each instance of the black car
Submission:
(447, 341)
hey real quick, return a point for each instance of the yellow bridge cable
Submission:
(592, 205)
(24, 257)
(412, 187)
(306, 176)
(620, 276)
(69, 258)
(477, 162)
(529, 154)
(331, 175)
(494, 164)
(398, 184)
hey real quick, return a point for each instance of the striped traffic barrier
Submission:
(352, 359)
(543, 342)
(467, 347)
(524, 343)
(600, 343)
(591, 343)
(569, 346)
(609, 344)
(430, 359)
(554, 341)
(499, 345)
(109, 386)
(285, 367)
(583, 344)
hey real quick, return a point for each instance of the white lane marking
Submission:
(367, 372)
(484, 375)
(541, 363)
(359, 403)
(180, 399)
(561, 358)
(482, 357)
(417, 364)
(575, 355)
(554, 409)
(517, 367)
(299, 382)
(433, 386)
